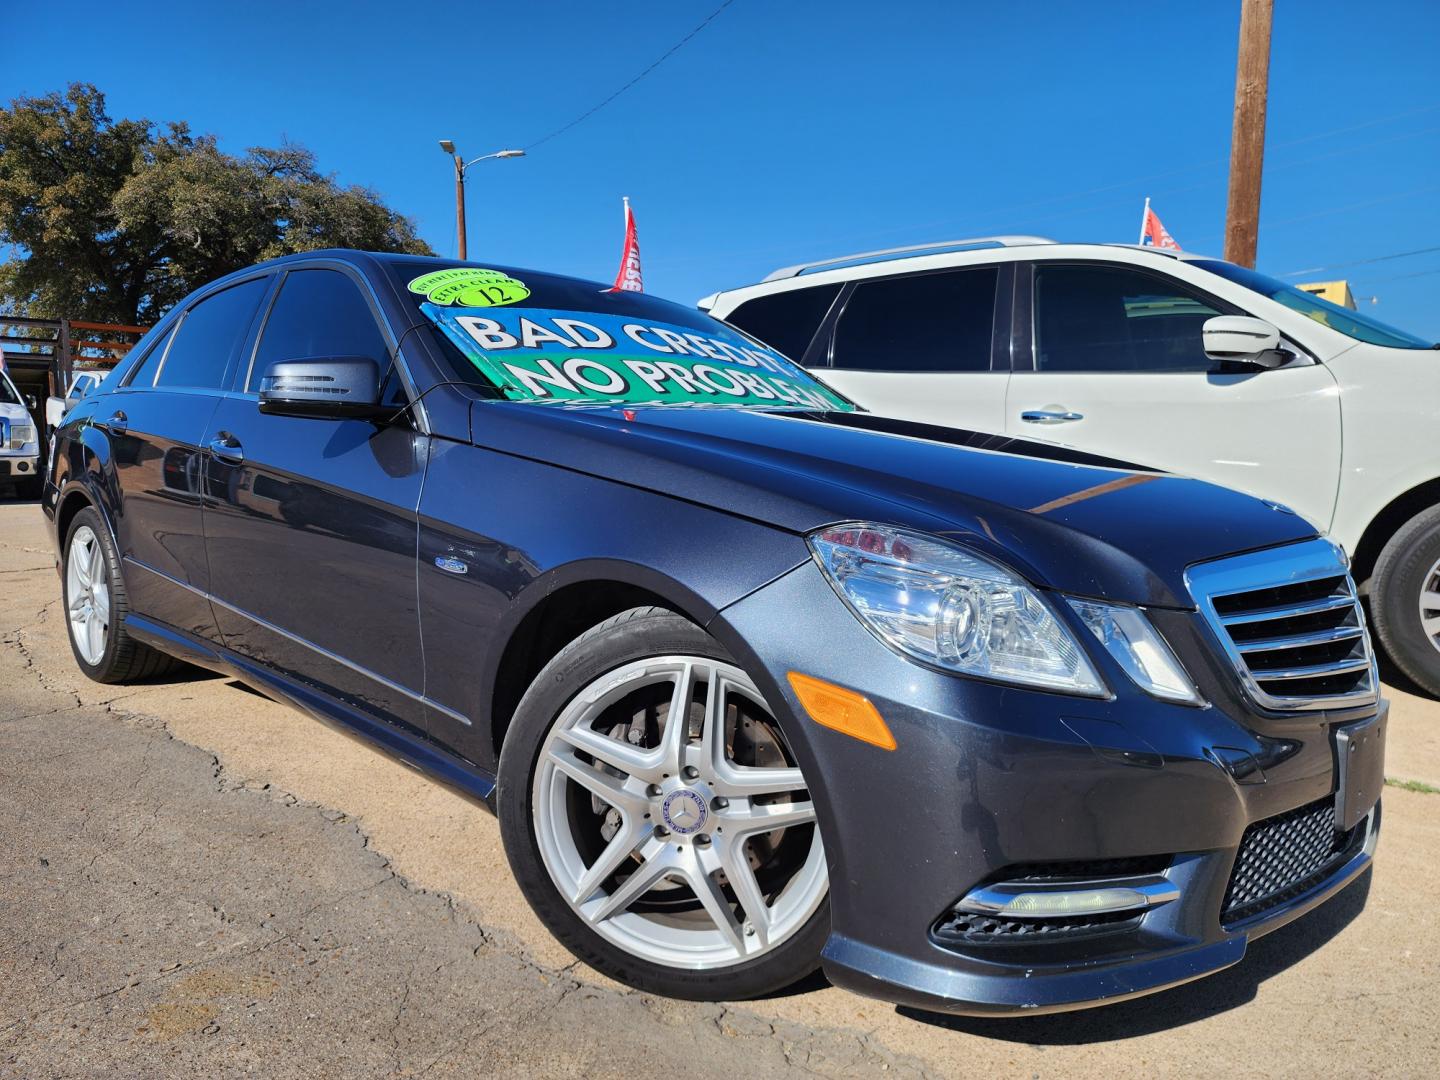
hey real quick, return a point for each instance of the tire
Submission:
(1406, 571)
(111, 655)
(678, 926)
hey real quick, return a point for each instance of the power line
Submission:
(1360, 262)
(663, 57)
(1367, 282)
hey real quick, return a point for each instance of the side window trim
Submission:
(1000, 324)
(817, 353)
(162, 343)
(1224, 307)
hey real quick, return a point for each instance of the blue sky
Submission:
(787, 131)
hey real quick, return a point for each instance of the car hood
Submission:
(1083, 524)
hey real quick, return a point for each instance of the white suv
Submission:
(1182, 362)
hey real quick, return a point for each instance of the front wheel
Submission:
(656, 819)
(1405, 599)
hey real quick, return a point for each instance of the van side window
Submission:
(921, 322)
(209, 335)
(1107, 318)
(786, 320)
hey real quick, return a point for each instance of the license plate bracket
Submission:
(1360, 762)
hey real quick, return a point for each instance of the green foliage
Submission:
(116, 220)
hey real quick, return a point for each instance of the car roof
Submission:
(929, 255)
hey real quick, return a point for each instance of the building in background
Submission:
(1337, 292)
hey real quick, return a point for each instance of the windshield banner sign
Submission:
(538, 354)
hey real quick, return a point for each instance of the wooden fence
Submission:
(42, 354)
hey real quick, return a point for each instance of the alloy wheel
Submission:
(87, 595)
(1430, 605)
(673, 820)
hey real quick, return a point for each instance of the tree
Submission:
(116, 220)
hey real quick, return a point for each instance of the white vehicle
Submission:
(19, 443)
(1182, 362)
(81, 383)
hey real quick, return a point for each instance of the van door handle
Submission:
(226, 447)
(115, 423)
(1050, 416)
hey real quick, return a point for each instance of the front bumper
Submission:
(19, 466)
(987, 777)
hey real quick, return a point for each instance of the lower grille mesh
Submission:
(1283, 856)
(970, 928)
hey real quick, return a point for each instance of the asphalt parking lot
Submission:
(197, 881)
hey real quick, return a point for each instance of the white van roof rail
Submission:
(910, 249)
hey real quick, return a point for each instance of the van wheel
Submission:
(1405, 599)
(656, 819)
(96, 605)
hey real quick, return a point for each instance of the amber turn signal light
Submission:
(841, 710)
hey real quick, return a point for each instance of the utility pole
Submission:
(1247, 139)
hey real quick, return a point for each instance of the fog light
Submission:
(1024, 899)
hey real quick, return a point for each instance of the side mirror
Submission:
(32, 402)
(1239, 339)
(323, 388)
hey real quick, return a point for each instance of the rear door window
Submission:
(1110, 318)
(921, 322)
(786, 321)
(209, 336)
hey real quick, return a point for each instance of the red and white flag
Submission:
(1154, 234)
(628, 279)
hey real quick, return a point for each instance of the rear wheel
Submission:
(96, 605)
(1405, 599)
(656, 819)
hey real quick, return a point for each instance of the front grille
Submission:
(1285, 856)
(1290, 621)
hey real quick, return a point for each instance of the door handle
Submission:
(115, 423)
(226, 447)
(1050, 416)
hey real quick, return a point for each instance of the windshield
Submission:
(542, 338)
(8, 396)
(1350, 323)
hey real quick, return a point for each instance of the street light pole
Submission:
(461, 167)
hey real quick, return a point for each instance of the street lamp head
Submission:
(511, 153)
(447, 146)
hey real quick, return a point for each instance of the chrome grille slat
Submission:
(1290, 611)
(1313, 671)
(1289, 620)
(1294, 641)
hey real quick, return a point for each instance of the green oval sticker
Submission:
(467, 286)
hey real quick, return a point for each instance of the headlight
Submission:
(952, 608)
(21, 433)
(1128, 636)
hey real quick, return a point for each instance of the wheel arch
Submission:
(1387, 523)
(565, 603)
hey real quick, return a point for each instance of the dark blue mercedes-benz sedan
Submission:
(755, 681)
